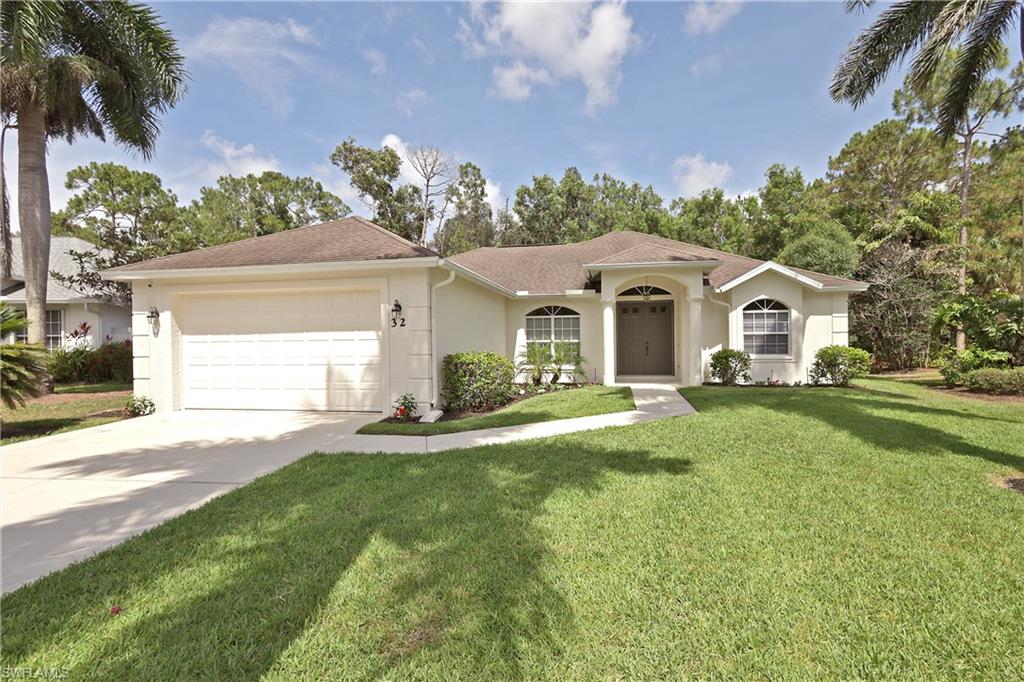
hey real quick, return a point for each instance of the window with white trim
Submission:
(766, 328)
(552, 323)
(54, 330)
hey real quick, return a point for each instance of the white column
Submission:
(608, 336)
(696, 371)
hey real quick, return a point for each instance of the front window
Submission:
(766, 328)
(54, 330)
(552, 324)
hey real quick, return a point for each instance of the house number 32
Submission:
(398, 322)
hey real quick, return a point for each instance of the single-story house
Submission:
(349, 316)
(67, 309)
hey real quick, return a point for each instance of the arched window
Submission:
(552, 323)
(766, 328)
(645, 291)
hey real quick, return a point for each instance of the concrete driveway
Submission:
(68, 496)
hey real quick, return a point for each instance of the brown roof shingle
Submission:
(348, 239)
(551, 270)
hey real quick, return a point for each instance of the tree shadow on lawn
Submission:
(41, 427)
(848, 410)
(223, 591)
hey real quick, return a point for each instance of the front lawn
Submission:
(780, 533)
(67, 409)
(565, 404)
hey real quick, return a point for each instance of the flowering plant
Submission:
(405, 408)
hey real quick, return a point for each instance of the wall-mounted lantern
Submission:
(153, 315)
(396, 312)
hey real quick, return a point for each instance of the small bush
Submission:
(139, 406)
(477, 380)
(730, 366)
(68, 363)
(839, 364)
(955, 367)
(997, 381)
(405, 408)
(567, 355)
(535, 361)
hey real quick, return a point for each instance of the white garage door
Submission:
(308, 351)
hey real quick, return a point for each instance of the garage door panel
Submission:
(312, 351)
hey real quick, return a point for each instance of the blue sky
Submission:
(681, 96)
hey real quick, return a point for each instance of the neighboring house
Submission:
(66, 308)
(348, 316)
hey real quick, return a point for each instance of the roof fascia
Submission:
(769, 266)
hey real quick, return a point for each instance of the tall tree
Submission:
(826, 248)
(709, 219)
(471, 225)
(998, 248)
(434, 166)
(78, 68)
(784, 211)
(991, 98)
(878, 170)
(254, 205)
(929, 29)
(626, 206)
(127, 215)
(373, 174)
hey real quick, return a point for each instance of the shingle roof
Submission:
(60, 261)
(348, 239)
(551, 270)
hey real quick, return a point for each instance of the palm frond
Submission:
(951, 23)
(22, 366)
(867, 61)
(980, 53)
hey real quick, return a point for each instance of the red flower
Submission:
(114, 610)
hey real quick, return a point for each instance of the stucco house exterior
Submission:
(66, 308)
(348, 316)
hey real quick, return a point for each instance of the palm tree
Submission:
(22, 366)
(930, 27)
(70, 68)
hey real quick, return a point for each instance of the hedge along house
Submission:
(348, 316)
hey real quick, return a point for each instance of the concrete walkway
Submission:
(653, 401)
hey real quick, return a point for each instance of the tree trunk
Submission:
(961, 275)
(34, 215)
(5, 212)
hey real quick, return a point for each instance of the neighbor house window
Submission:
(54, 330)
(551, 324)
(766, 328)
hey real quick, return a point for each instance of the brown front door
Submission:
(644, 338)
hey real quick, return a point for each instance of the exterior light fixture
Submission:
(153, 315)
(396, 312)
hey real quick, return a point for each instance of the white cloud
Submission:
(706, 65)
(264, 55)
(495, 197)
(515, 82)
(550, 42)
(694, 174)
(408, 100)
(378, 61)
(406, 173)
(706, 18)
(426, 54)
(233, 159)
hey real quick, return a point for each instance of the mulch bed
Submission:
(452, 416)
(989, 397)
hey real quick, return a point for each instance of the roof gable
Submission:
(60, 262)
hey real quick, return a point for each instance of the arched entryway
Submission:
(645, 331)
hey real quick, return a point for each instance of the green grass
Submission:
(102, 387)
(578, 402)
(41, 417)
(780, 533)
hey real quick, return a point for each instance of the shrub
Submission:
(22, 366)
(956, 366)
(477, 380)
(993, 380)
(567, 354)
(139, 406)
(535, 361)
(839, 364)
(730, 366)
(68, 363)
(405, 408)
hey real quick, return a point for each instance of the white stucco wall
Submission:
(468, 317)
(157, 351)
